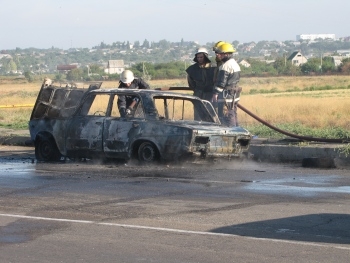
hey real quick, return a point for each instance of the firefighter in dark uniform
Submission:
(200, 76)
(126, 104)
(226, 85)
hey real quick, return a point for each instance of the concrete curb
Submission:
(16, 140)
(320, 155)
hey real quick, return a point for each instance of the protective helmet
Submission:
(127, 76)
(218, 44)
(225, 48)
(205, 53)
(202, 50)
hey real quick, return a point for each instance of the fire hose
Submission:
(300, 137)
(305, 138)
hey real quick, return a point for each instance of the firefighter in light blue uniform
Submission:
(226, 88)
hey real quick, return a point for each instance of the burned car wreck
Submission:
(73, 122)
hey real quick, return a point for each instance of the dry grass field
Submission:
(282, 102)
(315, 109)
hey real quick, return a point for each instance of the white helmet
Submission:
(205, 52)
(127, 76)
(202, 50)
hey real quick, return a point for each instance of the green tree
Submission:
(137, 44)
(75, 74)
(345, 66)
(285, 67)
(145, 44)
(280, 65)
(328, 64)
(182, 42)
(12, 65)
(164, 44)
(8, 65)
(312, 65)
(261, 67)
(235, 43)
(28, 76)
(103, 45)
(96, 69)
(59, 77)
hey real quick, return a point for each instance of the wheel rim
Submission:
(147, 153)
(46, 149)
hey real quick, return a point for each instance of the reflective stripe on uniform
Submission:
(218, 89)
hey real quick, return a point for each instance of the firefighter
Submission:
(226, 89)
(127, 103)
(219, 106)
(200, 76)
(215, 47)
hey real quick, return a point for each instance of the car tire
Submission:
(46, 150)
(147, 153)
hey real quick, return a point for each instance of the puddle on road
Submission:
(16, 169)
(311, 186)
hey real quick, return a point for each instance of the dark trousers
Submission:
(204, 95)
(229, 118)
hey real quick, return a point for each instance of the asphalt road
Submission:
(199, 212)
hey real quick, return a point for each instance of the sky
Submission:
(86, 23)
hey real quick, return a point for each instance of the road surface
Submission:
(195, 212)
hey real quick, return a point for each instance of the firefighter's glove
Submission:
(128, 111)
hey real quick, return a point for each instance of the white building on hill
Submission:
(315, 36)
(115, 66)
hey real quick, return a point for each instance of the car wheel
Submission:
(46, 150)
(147, 153)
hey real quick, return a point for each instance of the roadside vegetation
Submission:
(315, 106)
(176, 70)
(165, 59)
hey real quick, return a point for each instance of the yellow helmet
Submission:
(225, 48)
(218, 44)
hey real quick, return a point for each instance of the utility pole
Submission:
(145, 74)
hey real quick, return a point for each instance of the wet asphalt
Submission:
(242, 211)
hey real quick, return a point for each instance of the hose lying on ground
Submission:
(305, 138)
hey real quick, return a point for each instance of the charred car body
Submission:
(84, 123)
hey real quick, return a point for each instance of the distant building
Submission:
(115, 67)
(344, 52)
(244, 63)
(337, 60)
(297, 58)
(315, 36)
(66, 67)
(5, 56)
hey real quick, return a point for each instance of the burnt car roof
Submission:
(146, 91)
(61, 99)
